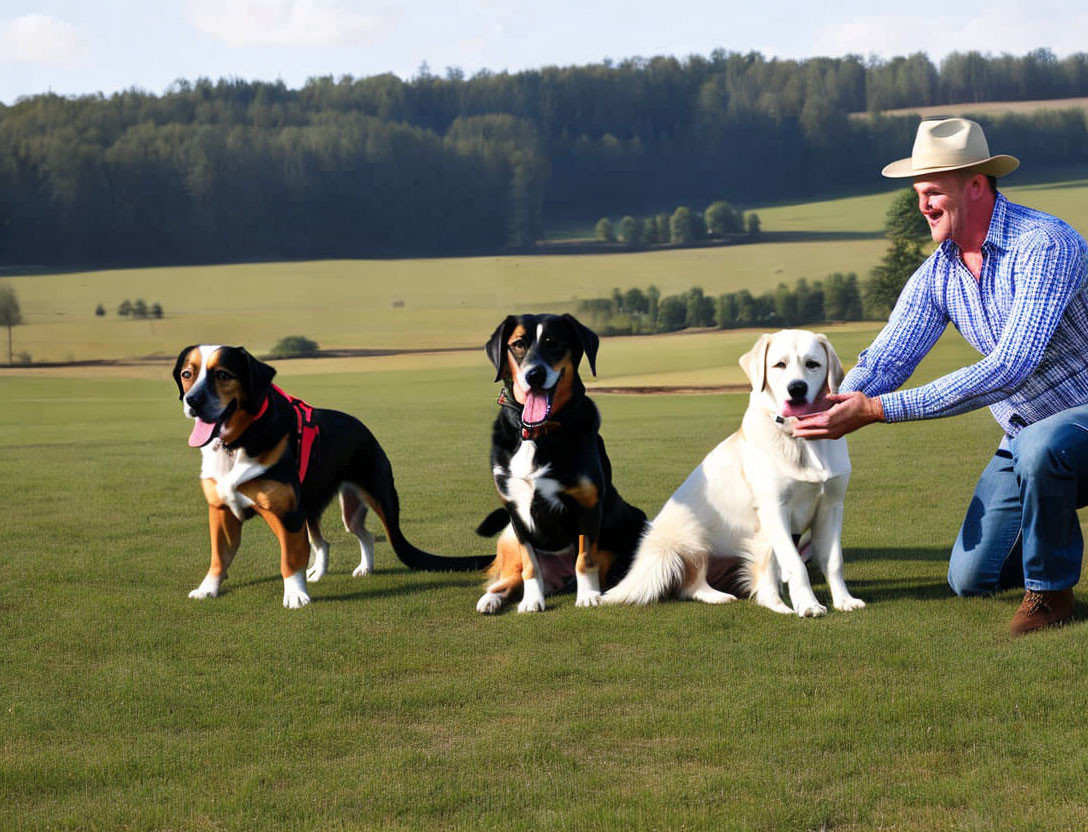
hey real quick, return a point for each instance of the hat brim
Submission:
(997, 166)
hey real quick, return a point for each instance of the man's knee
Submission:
(966, 581)
(1041, 450)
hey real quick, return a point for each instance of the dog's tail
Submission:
(494, 523)
(669, 547)
(381, 495)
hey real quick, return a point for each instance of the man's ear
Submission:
(835, 372)
(754, 363)
(587, 338)
(178, 365)
(496, 345)
(259, 383)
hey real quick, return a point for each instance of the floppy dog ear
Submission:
(835, 372)
(259, 382)
(496, 345)
(587, 338)
(178, 364)
(754, 363)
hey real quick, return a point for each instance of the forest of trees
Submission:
(229, 170)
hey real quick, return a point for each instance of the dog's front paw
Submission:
(810, 609)
(489, 603)
(294, 591)
(362, 570)
(209, 588)
(588, 599)
(849, 603)
(533, 599)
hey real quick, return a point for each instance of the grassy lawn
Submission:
(390, 704)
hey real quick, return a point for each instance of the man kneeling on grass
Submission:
(1012, 281)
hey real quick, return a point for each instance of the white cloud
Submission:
(284, 22)
(1015, 27)
(40, 39)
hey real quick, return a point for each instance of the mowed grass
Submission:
(390, 704)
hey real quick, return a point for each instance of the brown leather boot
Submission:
(1048, 608)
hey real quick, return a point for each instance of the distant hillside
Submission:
(354, 167)
(986, 108)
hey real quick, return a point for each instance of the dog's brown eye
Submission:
(186, 374)
(812, 365)
(222, 375)
(518, 345)
(781, 365)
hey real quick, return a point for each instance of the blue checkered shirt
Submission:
(1027, 315)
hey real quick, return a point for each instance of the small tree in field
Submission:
(294, 346)
(680, 226)
(604, 232)
(10, 315)
(630, 231)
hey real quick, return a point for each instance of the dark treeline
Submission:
(374, 166)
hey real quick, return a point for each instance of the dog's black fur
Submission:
(345, 451)
(567, 441)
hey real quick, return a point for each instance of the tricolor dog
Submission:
(265, 452)
(755, 494)
(562, 515)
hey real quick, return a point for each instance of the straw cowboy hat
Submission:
(950, 144)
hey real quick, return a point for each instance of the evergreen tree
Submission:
(888, 278)
(904, 220)
(10, 315)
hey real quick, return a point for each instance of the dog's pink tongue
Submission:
(202, 432)
(804, 409)
(535, 408)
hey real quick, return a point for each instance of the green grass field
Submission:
(390, 704)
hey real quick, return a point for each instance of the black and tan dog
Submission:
(563, 517)
(265, 452)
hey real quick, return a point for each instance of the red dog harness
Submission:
(308, 432)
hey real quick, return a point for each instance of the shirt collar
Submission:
(995, 236)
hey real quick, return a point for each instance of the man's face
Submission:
(942, 199)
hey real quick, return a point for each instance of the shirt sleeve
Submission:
(912, 329)
(1050, 269)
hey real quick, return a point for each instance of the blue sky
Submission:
(74, 47)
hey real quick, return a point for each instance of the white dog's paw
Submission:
(533, 599)
(849, 603)
(588, 599)
(489, 603)
(709, 595)
(319, 563)
(209, 588)
(363, 569)
(810, 609)
(294, 591)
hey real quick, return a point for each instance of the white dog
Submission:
(754, 495)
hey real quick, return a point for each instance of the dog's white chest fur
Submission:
(525, 480)
(229, 469)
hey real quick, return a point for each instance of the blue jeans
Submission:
(1021, 527)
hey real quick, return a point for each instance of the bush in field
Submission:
(294, 346)
(603, 232)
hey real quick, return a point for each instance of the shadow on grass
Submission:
(903, 585)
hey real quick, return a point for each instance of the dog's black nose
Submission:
(194, 400)
(535, 377)
(797, 389)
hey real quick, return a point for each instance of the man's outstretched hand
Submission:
(850, 412)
